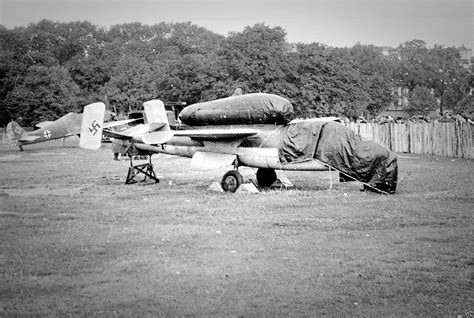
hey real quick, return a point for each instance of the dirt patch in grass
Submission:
(74, 240)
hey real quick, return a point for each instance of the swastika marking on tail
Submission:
(94, 128)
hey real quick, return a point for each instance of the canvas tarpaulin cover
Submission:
(339, 147)
(258, 108)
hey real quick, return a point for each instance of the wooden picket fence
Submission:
(452, 139)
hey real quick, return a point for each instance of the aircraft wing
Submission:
(318, 119)
(217, 134)
(161, 137)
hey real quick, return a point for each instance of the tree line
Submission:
(48, 69)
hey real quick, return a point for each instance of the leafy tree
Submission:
(131, 83)
(91, 75)
(421, 101)
(375, 71)
(190, 38)
(44, 42)
(466, 104)
(93, 69)
(415, 66)
(189, 78)
(438, 69)
(448, 76)
(131, 39)
(329, 84)
(132, 62)
(255, 59)
(47, 93)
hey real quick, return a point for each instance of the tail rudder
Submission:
(14, 131)
(155, 112)
(92, 125)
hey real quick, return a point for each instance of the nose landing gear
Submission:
(231, 181)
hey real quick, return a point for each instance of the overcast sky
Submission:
(332, 22)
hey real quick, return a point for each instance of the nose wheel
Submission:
(231, 181)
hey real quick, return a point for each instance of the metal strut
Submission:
(145, 169)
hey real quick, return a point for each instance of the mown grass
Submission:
(75, 240)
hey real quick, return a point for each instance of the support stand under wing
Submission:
(135, 170)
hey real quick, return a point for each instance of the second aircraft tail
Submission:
(92, 125)
(14, 131)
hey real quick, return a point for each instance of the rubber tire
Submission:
(231, 181)
(266, 177)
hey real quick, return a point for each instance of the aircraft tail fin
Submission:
(155, 113)
(92, 125)
(14, 131)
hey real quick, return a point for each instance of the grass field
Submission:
(75, 240)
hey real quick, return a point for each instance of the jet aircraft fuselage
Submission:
(258, 151)
(214, 137)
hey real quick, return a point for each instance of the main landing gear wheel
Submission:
(231, 181)
(266, 177)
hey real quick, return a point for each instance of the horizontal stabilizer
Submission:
(158, 137)
(135, 131)
(44, 124)
(111, 124)
(118, 135)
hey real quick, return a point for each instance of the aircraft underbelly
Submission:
(250, 157)
(183, 151)
(268, 158)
